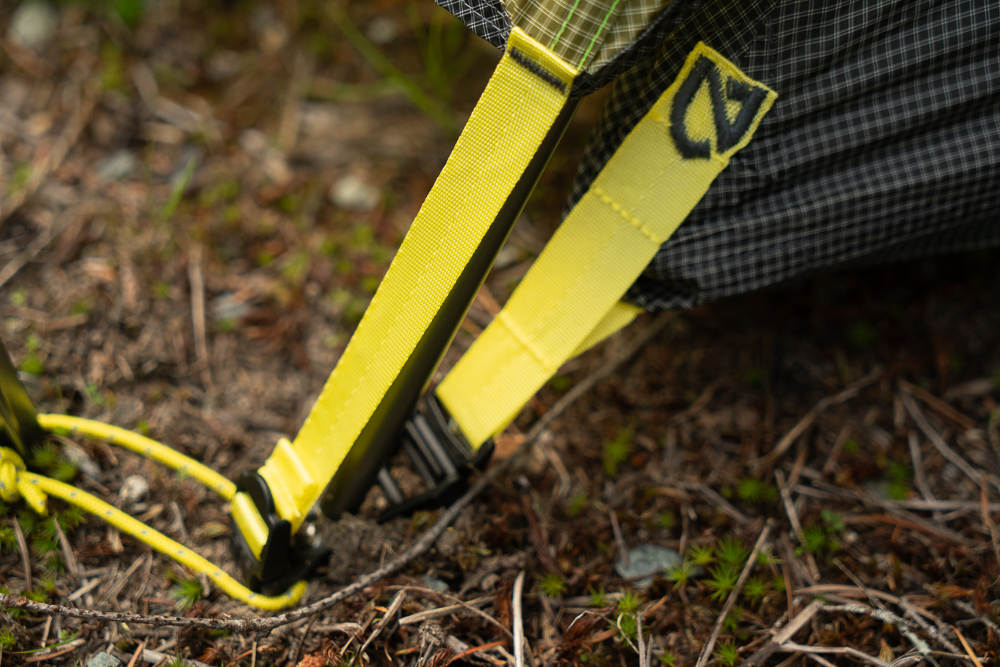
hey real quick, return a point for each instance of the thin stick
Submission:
(917, 616)
(784, 635)
(305, 635)
(850, 392)
(969, 609)
(819, 659)
(440, 612)
(706, 652)
(22, 545)
(135, 656)
(793, 519)
(642, 642)
(518, 621)
(394, 606)
(937, 404)
(157, 657)
(833, 650)
(475, 649)
(619, 540)
(886, 616)
(71, 565)
(966, 646)
(197, 282)
(919, 477)
(936, 439)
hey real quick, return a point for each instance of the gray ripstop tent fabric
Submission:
(884, 142)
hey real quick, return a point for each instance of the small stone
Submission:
(381, 30)
(33, 24)
(434, 584)
(134, 489)
(104, 659)
(118, 166)
(490, 582)
(271, 160)
(229, 306)
(354, 193)
(647, 560)
(81, 459)
(224, 65)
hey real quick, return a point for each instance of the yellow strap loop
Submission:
(16, 482)
(528, 90)
(161, 543)
(570, 297)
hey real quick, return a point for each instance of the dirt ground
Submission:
(197, 200)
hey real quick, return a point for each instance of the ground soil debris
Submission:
(197, 201)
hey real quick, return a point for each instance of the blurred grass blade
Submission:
(420, 99)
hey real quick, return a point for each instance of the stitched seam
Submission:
(625, 215)
(536, 69)
(524, 341)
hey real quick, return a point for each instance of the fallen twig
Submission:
(886, 616)
(818, 409)
(833, 650)
(965, 645)
(935, 632)
(784, 635)
(518, 621)
(197, 283)
(429, 614)
(969, 609)
(941, 407)
(55, 651)
(936, 439)
(394, 606)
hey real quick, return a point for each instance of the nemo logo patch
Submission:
(714, 107)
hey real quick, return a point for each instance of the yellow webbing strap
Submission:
(570, 297)
(523, 99)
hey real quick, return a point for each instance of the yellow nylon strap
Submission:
(525, 95)
(570, 297)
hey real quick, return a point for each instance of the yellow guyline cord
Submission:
(528, 90)
(570, 297)
(113, 435)
(16, 481)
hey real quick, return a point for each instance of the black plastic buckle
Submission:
(284, 559)
(444, 459)
(19, 427)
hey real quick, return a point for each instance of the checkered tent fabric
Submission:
(589, 34)
(486, 18)
(884, 142)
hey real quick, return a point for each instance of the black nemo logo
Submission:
(728, 134)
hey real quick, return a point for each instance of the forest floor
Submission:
(197, 201)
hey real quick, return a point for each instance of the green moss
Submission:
(722, 580)
(727, 654)
(617, 451)
(553, 586)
